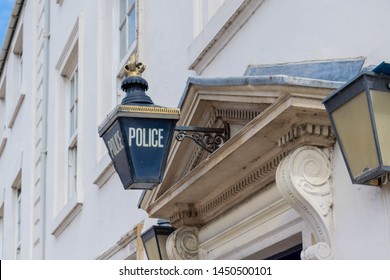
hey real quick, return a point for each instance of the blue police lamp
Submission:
(138, 133)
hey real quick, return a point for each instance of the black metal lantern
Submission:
(138, 133)
(360, 116)
(155, 241)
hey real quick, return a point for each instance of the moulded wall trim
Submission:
(66, 216)
(69, 53)
(125, 246)
(103, 171)
(16, 109)
(219, 31)
(3, 142)
(2, 86)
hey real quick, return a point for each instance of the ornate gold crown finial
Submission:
(133, 67)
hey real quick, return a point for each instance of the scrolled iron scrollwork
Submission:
(209, 139)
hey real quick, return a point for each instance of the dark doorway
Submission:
(293, 253)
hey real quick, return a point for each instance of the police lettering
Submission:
(115, 144)
(146, 137)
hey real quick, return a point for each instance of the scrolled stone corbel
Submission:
(304, 180)
(183, 244)
(318, 251)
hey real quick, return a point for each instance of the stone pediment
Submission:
(269, 117)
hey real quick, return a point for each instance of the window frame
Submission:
(3, 137)
(1, 228)
(16, 100)
(126, 18)
(17, 218)
(18, 222)
(68, 200)
(72, 138)
(122, 20)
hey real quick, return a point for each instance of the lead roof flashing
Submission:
(283, 80)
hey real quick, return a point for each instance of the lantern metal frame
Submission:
(125, 159)
(377, 80)
(153, 233)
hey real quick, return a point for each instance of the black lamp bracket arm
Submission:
(208, 138)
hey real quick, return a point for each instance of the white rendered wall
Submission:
(285, 31)
(165, 34)
(361, 216)
(18, 153)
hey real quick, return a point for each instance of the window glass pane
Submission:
(18, 253)
(353, 124)
(2, 117)
(1, 237)
(122, 9)
(127, 26)
(72, 171)
(162, 240)
(20, 82)
(152, 249)
(19, 223)
(381, 105)
(73, 103)
(76, 98)
(122, 47)
(19, 214)
(72, 121)
(131, 27)
(131, 2)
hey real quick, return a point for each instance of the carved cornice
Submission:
(183, 244)
(304, 180)
(323, 132)
(236, 114)
(266, 170)
(191, 215)
(264, 174)
(258, 179)
(185, 214)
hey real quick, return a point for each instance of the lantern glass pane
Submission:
(162, 241)
(152, 249)
(381, 108)
(354, 129)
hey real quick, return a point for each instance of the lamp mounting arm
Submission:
(208, 138)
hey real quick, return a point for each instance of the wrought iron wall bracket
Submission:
(208, 138)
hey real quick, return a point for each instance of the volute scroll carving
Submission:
(183, 244)
(304, 180)
(319, 251)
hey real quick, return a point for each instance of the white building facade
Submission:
(278, 188)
